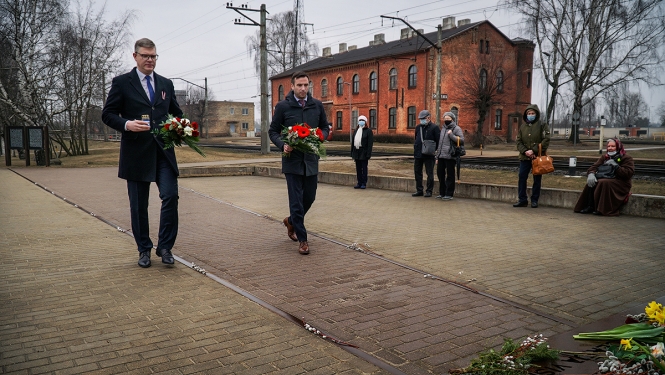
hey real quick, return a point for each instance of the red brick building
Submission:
(391, 82)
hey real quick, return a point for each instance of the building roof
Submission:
(395, 48)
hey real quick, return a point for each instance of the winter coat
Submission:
(432, 132)
(531, 134)
(445, 149)
(609, 193)
(366, 144)
(288, 112)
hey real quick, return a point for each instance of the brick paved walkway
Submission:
(74, 302)
(415, 323)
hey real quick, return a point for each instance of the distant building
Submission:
(226, 119)
(390, 82)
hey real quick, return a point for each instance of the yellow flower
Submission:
(660, 317)
(652, 309)
(626, 343)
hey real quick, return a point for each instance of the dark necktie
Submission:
(151, 92)
(302, 102)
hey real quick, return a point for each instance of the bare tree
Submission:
(60, 58)
(484, 88)
(626, 107)
(661, 113)
(279, 41)
(598, 43)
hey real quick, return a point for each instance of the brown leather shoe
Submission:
(304, 248)
(289, 229)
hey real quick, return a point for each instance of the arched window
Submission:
(372, 82)
(324, 87)
(392, 116)
(499, 81)
(455, 111)
(280, 92)
(340, 86)
(483, 79)
(413, 76)
(393, 79)
(356, 84)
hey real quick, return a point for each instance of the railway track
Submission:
(641, 167)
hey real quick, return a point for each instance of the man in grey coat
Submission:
(300, 169)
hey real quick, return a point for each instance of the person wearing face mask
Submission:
(445, 161)
(608, 182)
(531, 134)
(426, 130)
(361, 151)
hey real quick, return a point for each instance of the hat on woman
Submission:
(362, 117)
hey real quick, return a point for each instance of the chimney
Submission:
(351, 48)
(371, 43)
(342, 47)
(448, 23)
(404, 34)
(421, 31)
(327, 52)
(465, 21)
(379, 39)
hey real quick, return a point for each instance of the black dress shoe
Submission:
(587, 210)
(597, 213)
(144, 259)
(427, 195)
(521, 204)
(534, 204)
(417, 194)
(167, 257)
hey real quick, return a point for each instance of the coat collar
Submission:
(136, 83)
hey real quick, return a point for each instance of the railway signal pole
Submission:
(265, 145)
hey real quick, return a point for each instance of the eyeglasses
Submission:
(148, 57)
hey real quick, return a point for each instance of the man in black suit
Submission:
(299, 168)
(137, 103)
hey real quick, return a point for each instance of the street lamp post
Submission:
(350, 113)
(547, 92)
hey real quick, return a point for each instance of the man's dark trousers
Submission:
(418, 172)
(302, 192)
(139, 192)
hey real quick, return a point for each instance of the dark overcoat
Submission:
(366, 144)
(127, 101)
(609, 193)
(288, 112)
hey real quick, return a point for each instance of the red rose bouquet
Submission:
(305, 139)
(175, 131)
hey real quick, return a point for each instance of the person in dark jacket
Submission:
(361, 151)
(299, 168)
(604, 194)
(531, 134)
(427, 130)
(451, 135)
(143, 160)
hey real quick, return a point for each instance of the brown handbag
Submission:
(543, 164)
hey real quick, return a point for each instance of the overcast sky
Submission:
(197, 38)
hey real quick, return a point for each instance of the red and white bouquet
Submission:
(175, 131)
(303, 138)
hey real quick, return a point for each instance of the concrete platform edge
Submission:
(640, 205)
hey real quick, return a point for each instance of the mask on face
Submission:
(423, 121)
(361, 123)
(612, 153)
(531, 118)
(447, 122)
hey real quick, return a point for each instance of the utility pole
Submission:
(265, 145)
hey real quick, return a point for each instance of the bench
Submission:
(661, 135)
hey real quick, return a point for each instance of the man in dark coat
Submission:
(300, 169)
(427, 130)
(135, 96)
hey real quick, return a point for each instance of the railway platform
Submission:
(419, 285)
